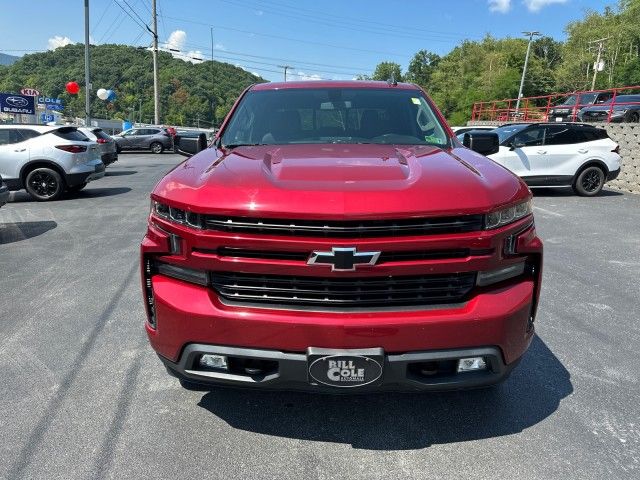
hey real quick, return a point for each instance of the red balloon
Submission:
(73, 88)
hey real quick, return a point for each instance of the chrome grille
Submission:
(351, 228)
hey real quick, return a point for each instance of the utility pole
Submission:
(286, 67)
(87, 81)
(600, 43)
(156, 92)
(524, 70)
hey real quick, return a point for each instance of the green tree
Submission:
(387, 70)
(421, 67)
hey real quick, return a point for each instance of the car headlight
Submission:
(508, 215)
(176, 215)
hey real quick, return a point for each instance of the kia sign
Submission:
(12, 103)
(32, 92)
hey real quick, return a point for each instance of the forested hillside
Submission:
(491, 68)
(188, 91)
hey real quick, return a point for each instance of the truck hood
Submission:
(337, 181)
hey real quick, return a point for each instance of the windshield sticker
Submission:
(415, 100)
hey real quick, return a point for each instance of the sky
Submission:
(327, 39)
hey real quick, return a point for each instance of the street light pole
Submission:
(524, 70)
(597, 64)
(87, 82)
(156, 92)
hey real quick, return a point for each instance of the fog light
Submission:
(213, 361)
(471, 364)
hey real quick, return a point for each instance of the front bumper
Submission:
(290, 371)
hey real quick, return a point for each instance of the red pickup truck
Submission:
(337, 237)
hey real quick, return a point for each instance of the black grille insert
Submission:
(363, 292)
(394, 256)
(352, 228)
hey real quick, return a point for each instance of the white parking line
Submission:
(549, 212)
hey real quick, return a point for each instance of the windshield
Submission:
(508, 130)
(334, 115)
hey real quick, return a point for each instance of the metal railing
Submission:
(541, 108)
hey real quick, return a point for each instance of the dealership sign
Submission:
(12, 103)
(32, 92)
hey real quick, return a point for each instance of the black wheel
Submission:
(44, 184)
(589, 182)
(156, 147)
(632, 117)
(77, 188)
(118, 148)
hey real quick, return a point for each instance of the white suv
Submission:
(559, 155)
(47, 160)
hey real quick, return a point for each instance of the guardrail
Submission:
(563, 106)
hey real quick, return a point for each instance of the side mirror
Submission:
(485, 143)
(189, 146)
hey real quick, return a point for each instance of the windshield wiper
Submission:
(231, 146)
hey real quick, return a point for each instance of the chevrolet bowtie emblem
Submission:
(343, 259)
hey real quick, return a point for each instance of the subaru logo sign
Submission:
(17, 102)
(13, 103)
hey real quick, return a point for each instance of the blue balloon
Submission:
(111, 95)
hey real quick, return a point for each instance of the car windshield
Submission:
(508, 130)
(334, 115)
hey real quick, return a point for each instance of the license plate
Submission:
(345, 368)
(558, 119)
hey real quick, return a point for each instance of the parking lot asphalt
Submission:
(84, 396)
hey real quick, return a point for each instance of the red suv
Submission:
(336, 236)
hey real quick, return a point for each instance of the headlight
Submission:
(499, 218)
(176, 215)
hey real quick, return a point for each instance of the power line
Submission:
(135, 13)
(341, 17)
(338, 22)
(309, 42)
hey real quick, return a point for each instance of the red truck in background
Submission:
(337, 237)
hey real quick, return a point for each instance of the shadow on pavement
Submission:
(98, 192)
(15, 232)
(89, 192)
(119, 173)
(403, 421)
(568, 192)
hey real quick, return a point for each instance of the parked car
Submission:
(107, 145)
(336, 237)
(155, 139)
(625, 109)
(4, 192)
(559, 155)
(565, 111)
(47, 160)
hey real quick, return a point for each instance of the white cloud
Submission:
(500, 6)
(259, 12)
(58, 41)
(536, 5)
(303, 76)
(177, 41)
(219, 46)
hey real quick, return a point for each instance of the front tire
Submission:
(44, 184)
(118, 148)
(589, 181)
(156, 147)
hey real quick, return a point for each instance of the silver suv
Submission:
(155, 139)
(47, 160)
